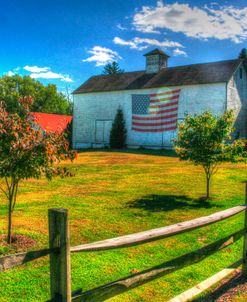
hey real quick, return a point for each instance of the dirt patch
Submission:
(19, 242)
(230, 290)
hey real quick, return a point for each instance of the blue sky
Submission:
(66, 42)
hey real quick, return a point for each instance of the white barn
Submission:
(217, 87)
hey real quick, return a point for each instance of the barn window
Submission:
(241, 73)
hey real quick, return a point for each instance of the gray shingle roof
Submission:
(156, 51)
(216, 72)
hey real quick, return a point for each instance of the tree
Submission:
(206, 140)
(112, 68)
(243, 54)
(27, 152)
(46, 98)
(118, 131)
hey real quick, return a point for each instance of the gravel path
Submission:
(230, 290)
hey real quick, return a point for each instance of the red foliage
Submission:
(25, 150)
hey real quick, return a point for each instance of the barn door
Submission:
(99, 131)
(102, 131)
(107, 131)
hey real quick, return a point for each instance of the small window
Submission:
(237, 134)
(241, 73)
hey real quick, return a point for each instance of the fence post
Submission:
(60, 271)
(245, 236)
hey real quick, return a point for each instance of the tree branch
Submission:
(7, 183)
(5, 193)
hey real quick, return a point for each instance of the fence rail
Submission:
(157, 234)
(112, 289)
(60, 252)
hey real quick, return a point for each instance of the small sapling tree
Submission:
(206, 140)
(27, 152)
(118, 131)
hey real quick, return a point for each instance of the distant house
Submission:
(52, 122)
(155, 100)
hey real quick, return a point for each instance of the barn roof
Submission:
(52, 122)
(156, 51)
(216, 72)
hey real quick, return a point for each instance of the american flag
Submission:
(156, 112)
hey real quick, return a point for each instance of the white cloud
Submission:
(10, 73)
(142, 43)
(50, 75)
(36, 68)
(41, 73)
(17, 69)
(102, 55)
(223, 22)
(121, 27)
(46, 73)
(120, 41)
(179, 52)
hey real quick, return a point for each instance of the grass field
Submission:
(117, 193)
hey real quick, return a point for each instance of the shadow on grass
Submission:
(159, 203)
(169, 153)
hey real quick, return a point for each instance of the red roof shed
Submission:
(52, 122)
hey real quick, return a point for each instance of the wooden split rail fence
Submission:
(60, 251)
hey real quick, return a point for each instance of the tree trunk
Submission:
(12, 201)
(208, 186)
(9, 235)
(208, 172)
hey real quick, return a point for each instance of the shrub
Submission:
(118, 132)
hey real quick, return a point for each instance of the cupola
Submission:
(156, 60)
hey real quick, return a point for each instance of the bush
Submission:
(118, 131)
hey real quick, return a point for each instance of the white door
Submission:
(99, 131)
(107, 131)
(102, 131)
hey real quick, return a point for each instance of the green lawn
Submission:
(118, 193)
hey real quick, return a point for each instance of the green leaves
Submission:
(46, 98)
(206, 139)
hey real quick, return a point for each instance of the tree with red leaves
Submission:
(27, 152)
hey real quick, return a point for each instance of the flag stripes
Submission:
(153, 118)
(155, 112)
(165, 93)
(158, 100)
(155, 130)
(175, 109)
(155, 124)
(164, 105)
